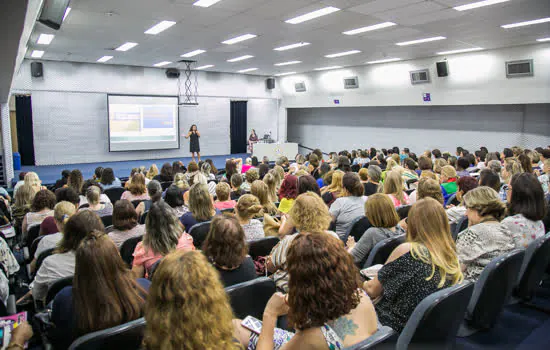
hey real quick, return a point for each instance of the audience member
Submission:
(226, 248)
(41, 207)
(103, 198)
(10, 266)
(544, 179)
(22, 205)
(489, 178)
(350, 204)
(373, 184)
(307, 183)
(271, 182)
(448, 180)
(263, 169)
(93, 196)
(174, 198)
(63, 181)
(465, 185)
(166, 173)
(509, 169)
(201, 208)
(154, 190)
(137, 190)
(393, 187)
(19, 183)
(62, 212)
(108, 179)
(260, 190)
(75, 180)
(334, 189)
(206, 170)
(152, 172)
(429, 188)
(461, 165)
(246, 209)
(251, 175)
(223, 200)
(288, 193)
(125, 223)
(485, 238)
(236, 182)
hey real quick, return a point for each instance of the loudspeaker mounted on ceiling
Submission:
(53, 12)
(300, 86)
(172, 73)
(37, 69)
(270, 83)
(442, 68)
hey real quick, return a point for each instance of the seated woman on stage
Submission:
(252, 139)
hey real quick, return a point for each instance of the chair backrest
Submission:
(109, 229)
(114, 193)
(358, 228)
(57, 286)
(382, 250)
(85, 205)
(461, 225)
(125, 336)
(34, 246)
(410, 182)
(228, 211)
(107, 220)
(403, 211)
(153, 268)
(493, 289)
(33, 233)
(165, 185)
(143, 218)
(136, 202)
(537, 259)
(450, 199)
(434, 322)
(262, 247)
(382, 334)
(199, 232)
(250, 298)
(127, 249)
(43, 256)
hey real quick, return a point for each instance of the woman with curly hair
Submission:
(309, 214)
(41, 207)
(186, 278)
(324, 302)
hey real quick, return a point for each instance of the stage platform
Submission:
(49, 174)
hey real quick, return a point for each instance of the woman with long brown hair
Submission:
(186, 278)
(393, 187)
(260, 190)
(424, 264)
(137, 190)
(101, 279)
(324, 302)
(201, 207)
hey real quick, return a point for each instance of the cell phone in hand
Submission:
(252, 324)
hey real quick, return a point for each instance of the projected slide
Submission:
(142, 123)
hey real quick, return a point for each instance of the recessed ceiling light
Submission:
(419, 41)
(459, 51)
(340, 54)
(104, 59)
(328, 68)
(311, 15)
(247, 70)
(126, 46)
(193, 53)
(239, 39)
(45, 39)
(544, 39)
(204, 67)
(240, 58)
(385, 60)
(287, 63)
(160, 27)
(205, 3)
(37, 54)
(291, 46)
(369, 28)
(66, 13)
(283, 74)
(161, 64)
(528, 23)
(475, 5)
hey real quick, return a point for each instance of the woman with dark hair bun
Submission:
(318, 266)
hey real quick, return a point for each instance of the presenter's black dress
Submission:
(194, 143)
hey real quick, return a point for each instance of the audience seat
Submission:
(136, 202)
(199, 232)
(492, 292)
(403, 211)
(537, 259)
(165, 185)
(43, 256)
(434, 322)
(109, 229)
(57, 286)
(153, 269)
(228, 211)
(358, 228)
(382, 250)
(114, 193)
(85, 205)
(107, 220)
(262, 247)
(410, 182)
(127, 249)
(143, 218)
(127, 336)
(34, 246)
(450, 199)
(461, 225)
(250, 298)
(376, 340)
(32, 234)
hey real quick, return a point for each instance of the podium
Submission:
(275, 150)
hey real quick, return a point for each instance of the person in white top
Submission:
(247, 208)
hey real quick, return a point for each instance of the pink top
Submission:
(129, 196)
(245, 168)
(225, 205)
(148, 258)
(397, 203)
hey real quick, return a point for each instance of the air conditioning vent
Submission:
(523, 68)
(300, 86)
(351, 83)
(420, 76)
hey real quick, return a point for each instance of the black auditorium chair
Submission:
(34, 246)
(262, 247)
(143, 218)
(109, 229)
(358, 228)
(107, 220)
(153, 268)
(165, 185)
(535, 262)
(127, 249)
(461, 225)
(128, 336)
(250, 298)
(136, 202)
(114, 193)
(199, 232)
(32, 234)
(492, 292)
(57, 286)
(42, 257)
(382, 250)
(228, 211)
(403, 211)
(434, 322)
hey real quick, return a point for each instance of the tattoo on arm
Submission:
(344, 326)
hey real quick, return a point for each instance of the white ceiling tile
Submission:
(382, 5)
(409, 11)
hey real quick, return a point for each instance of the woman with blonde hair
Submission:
(32, 179)
(510, 168)
(272, 183)
(137, 190)
(393, 187)
(485, 238)
(429, 188)
(280, 175)
(181, 182)
(206, 320)
(246, 209)
(152, 172)
(75, 180)
(261, 191)
(390, 164)
(223, 199)
(22, 205)
(201, 206)
(331, 192)
(426, 263)
(439, 163)
(93, 194)
(384, 221)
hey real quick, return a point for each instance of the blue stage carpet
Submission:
(51, 173)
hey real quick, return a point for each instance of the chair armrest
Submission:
(11, 307)
(382, 334)
(26, 253)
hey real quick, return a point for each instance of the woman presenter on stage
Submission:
(194, 146)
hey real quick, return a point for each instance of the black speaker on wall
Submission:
(270, 83)
(53, 12)
(37, 69)
(172, 73)
(442, 69)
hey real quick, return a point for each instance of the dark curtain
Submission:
(238, 129)
(25, 135)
